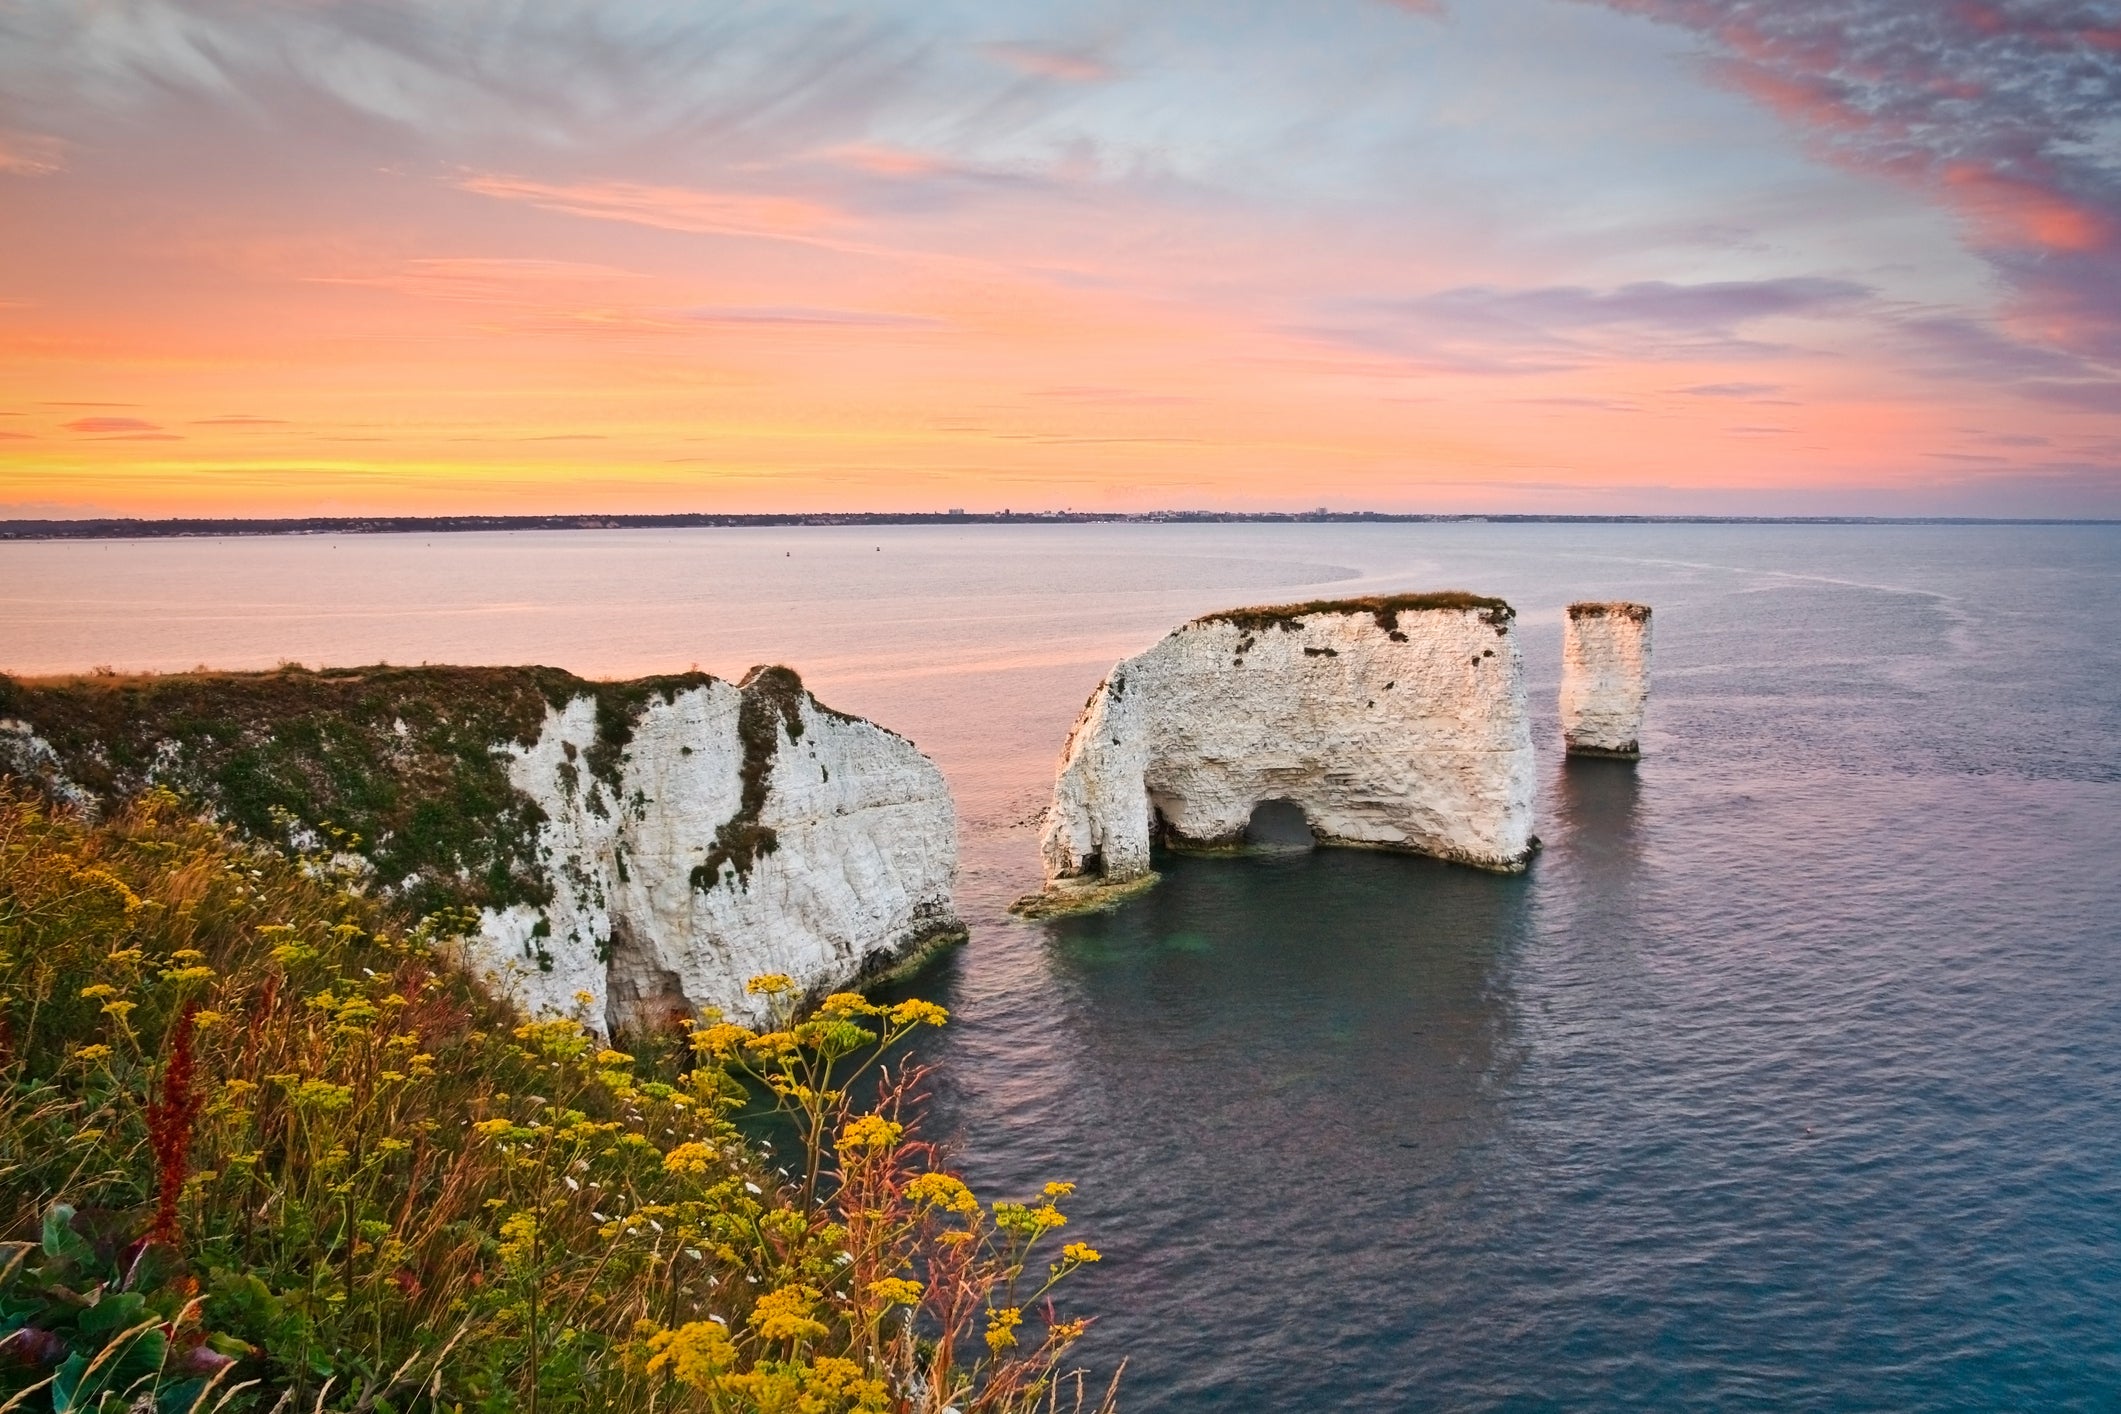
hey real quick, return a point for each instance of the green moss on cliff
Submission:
(404, 766)
(1385, 609)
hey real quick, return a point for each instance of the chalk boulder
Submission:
(1392, 723)
(1605, 678)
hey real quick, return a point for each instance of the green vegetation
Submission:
(1385, 609)
(262, 1147)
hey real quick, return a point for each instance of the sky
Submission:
(281, 257)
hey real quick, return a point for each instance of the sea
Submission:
(1787, 1078)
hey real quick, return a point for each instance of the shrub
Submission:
(262, 1146)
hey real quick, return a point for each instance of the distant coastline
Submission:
(120, 528)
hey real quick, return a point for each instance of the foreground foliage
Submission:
(263, 1147)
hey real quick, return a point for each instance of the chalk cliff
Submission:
(1605, 678)
(646, 845)
(1393, 723)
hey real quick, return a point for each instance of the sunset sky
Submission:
(314, 256)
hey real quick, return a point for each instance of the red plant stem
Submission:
(169, 1126)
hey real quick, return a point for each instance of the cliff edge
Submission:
(645, 845)
(1392, 723)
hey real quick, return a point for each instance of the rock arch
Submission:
(1392, 723)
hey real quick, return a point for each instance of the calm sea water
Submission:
(1789, 1077)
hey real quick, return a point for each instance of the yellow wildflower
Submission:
(872, 1132)
(914, 1012)
(1082, 1252)
(785, 1314)
(1059, 1190)
(186, 974)
(205, 1019)
(940, 1190)
(121, 1010)
(692, 1157)
(833, 1374)
(93, 1053)
(720, 1039)
(1001, 1328)
(493, 1128)
(99, 989)
(771, 984)
(607, 1056)
(842, 1005)
(694, 1353)
(896, 1291)
(519, 1238)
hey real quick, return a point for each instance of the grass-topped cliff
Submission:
(398, 765)
(263, 1147)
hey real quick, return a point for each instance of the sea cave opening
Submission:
(1279, 824)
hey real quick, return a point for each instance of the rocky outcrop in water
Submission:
(633, 850)
(1393, 723)
(1605, 678)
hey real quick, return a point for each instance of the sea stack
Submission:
(1392, 723)
(1605, 678)
(633, 852)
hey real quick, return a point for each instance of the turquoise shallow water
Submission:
(1788, 1078)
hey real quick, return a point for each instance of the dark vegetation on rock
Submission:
(1615, 609)
(1385, 609)
(772, 703)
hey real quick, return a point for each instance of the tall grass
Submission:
(263, 1146)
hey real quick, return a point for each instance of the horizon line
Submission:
(141, 527)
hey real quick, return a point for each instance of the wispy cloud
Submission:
(30, 154)
(239, 420)
(1731, 390)
(800, 316)
(733, 213)
(1483, 329)
(488, 279)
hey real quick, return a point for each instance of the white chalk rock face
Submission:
(1394, 723)
(751, 831)
(1605, 678)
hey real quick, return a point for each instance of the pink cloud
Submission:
(1070, 65)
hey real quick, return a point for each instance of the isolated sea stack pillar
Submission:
(1605, 679)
